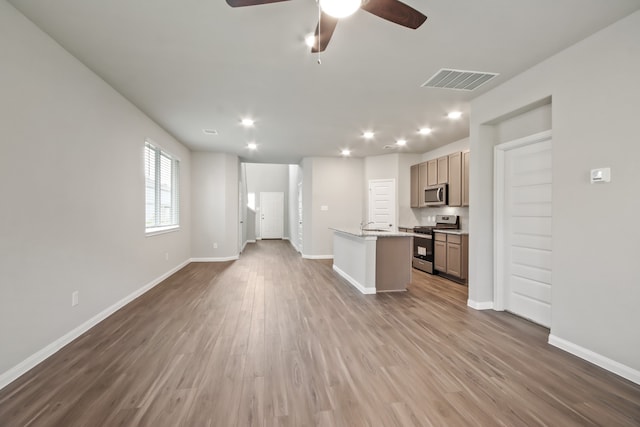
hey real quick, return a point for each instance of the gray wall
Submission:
(72, 185)
(336, 183)
(595, 228)
(269, 178)
(215, 217)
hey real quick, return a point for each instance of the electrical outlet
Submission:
(74, 298)
(215, 246)
(166, 256)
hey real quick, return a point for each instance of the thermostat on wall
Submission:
(601, 175)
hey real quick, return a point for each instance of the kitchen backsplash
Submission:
(428, 215)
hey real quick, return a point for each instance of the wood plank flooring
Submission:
(275, 340)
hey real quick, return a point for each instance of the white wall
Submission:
(334, 183)
(295, 178)
(595, 90)
(215, 218)
(262, 177)
(72, 185)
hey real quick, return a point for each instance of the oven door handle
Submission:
(423, 236)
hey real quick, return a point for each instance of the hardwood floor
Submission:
(275, 340)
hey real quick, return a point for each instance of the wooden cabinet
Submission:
(422, 182)
(452, 170)
(465, 178)
(450, 255)
(455, 179)
(415, 186)
(440, 252)
(443, 170)
(432, 177)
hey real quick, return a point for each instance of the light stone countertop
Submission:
(457, 232)
(355, 231)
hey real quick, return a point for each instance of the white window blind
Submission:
(162, 203)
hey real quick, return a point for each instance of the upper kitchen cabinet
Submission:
(455, 179)
(452, 170)
(465, 178)
(415, 186)
(432, 177)
(423, 177)
(443, 170)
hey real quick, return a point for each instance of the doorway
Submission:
(382, 204)
(523, 232)
(271, 215)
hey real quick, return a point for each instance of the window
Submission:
(162, 203)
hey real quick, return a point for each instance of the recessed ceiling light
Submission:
(346, 152)
(424, 131)
(368, 134)
(401, 142)
(252, 146)
(247, 122)
(210, 131)
(454, 115)
(310, 40)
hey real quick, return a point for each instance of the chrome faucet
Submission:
(363, 225)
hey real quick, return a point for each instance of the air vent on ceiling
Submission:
(458, 79)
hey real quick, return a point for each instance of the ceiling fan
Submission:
(332, 10)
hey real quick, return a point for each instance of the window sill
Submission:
(161, 230)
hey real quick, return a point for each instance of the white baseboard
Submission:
(218, 259)
(354, 282)
(316, 256)
(485, 305)
(604, 362)
(32, 361)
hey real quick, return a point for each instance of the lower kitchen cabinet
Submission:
(451, 254)
(440, 252)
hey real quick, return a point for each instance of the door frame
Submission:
(499, 152)
(395, 199)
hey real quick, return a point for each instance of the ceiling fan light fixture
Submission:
(340, 8)
(310, 40)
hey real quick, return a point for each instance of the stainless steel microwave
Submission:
(436, 195)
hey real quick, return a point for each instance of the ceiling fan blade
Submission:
(240, 3)
(396, 12)
(326, 26)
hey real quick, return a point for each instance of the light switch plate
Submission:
(324, 208)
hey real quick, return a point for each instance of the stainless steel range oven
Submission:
(423, 241)
(423, 249)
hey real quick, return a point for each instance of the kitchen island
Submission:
(373, 261)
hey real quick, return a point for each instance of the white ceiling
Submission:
(196, 64)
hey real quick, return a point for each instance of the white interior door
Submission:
(382, 204)
(272, 215)
(526, 230)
